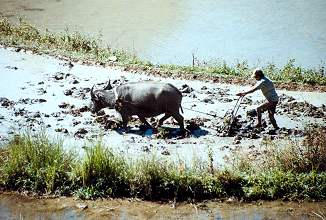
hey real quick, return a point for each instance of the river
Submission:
(168, 31)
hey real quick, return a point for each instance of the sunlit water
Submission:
(168, 31)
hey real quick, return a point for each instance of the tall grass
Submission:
(35, 163)
(288, 169)
(308, 155)
(103, 172)
(76, 46)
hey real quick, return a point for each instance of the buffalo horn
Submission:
(108, 87)
(92, 92)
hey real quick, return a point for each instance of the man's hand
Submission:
(241, 94)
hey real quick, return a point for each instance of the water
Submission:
(168, 31)
(21, 207)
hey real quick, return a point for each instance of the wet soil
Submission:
(14, 206)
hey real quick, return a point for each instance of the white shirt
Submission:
(267, 88)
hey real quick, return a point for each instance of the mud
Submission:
(14, 206)
(43, 93)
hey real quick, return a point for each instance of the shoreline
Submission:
(78, 48)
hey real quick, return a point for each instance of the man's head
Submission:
(257, 74)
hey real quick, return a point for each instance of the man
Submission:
(268, 90)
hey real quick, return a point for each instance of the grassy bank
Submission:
(292, 171)
(77, 47)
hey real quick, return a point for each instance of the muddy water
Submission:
(21, 207)
(168, 31)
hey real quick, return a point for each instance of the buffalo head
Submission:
(102, 98)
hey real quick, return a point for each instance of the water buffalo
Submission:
(144, 99)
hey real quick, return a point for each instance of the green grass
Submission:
(34, 163)
(78, 47)
(37, 164)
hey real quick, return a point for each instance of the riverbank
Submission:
(293, 171)
(78, 48)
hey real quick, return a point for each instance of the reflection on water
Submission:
(169, 31)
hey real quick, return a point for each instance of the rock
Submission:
(56, 114)
(61, 76)
(84, 109)
(252, 113)
(272, 132)
(113, 58)
(6, 102)
(38, 101)
(112, 124)
(81, 206)
(145, 149)
(11, 67)
(231, 200)
(62, 130)
(226, 100)
(69, 64)
(246, 101)
(165, 152)
(236, 141)
(80, 133)
(68, 92)
(208, 100)
(20, 112)
(195, 123)
(186, 89)
(204, 88)
(76, 122)
(75, 81)
(41, 91)
(100, 113)
(64, 105)
(36, 115)
(238, 137)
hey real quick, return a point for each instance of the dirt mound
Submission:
(294, 108)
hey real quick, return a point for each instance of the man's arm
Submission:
(254, 88)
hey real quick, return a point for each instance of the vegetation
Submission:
(76, 46)
(295, 171)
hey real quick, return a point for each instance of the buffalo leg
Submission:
(179, 119)
(144, 121)
(166, 116)
(125, 119)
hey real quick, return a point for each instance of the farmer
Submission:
(267, 87)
